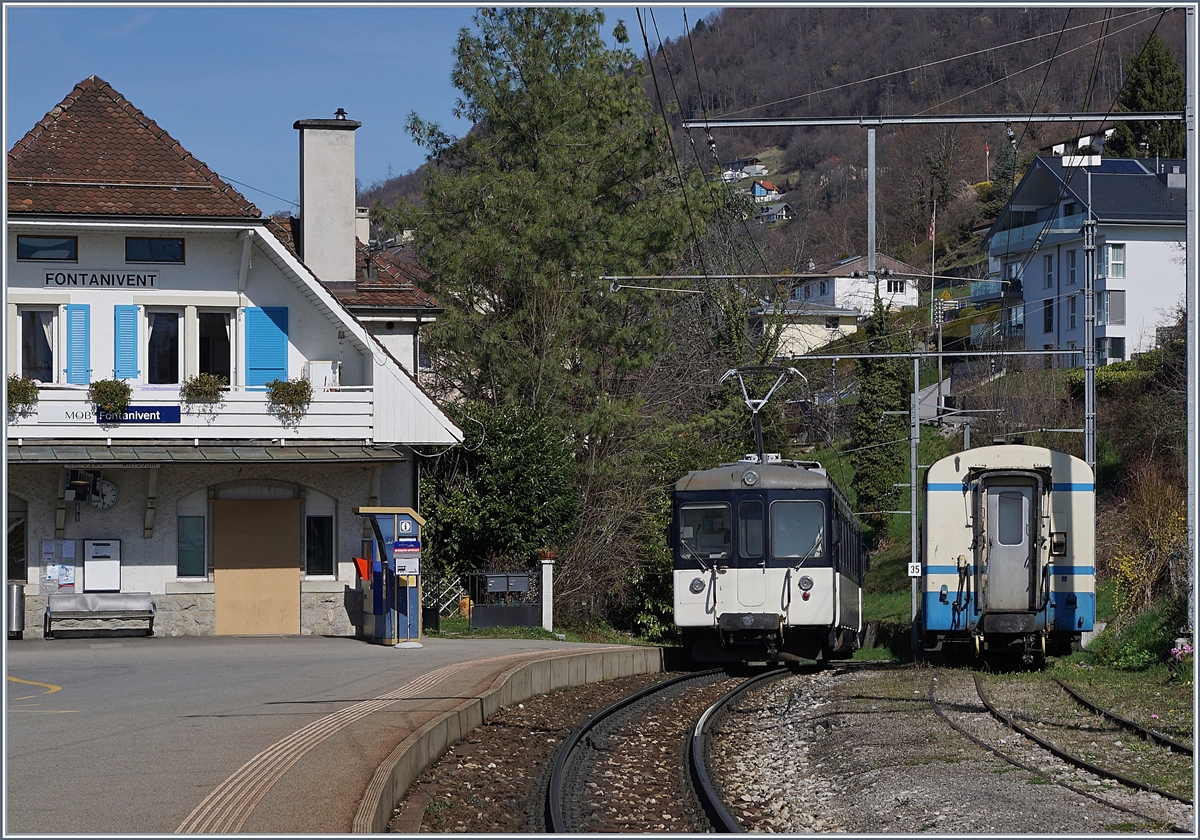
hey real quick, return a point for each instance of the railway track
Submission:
(646, 749)
(1099, 744)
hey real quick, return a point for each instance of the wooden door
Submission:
(257, 558)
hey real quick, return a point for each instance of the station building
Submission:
(128, 259)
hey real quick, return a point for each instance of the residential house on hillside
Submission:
(129, 259)
(739, 168)
(764, 191)
(779, 211)
(805, 327)
(845, 285)
(1037, 262)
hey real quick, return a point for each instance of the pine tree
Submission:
(1154, 81)
(564, 178)
(878, 439)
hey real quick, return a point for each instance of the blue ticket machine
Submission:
(392, 591)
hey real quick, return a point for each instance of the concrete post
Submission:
(548, 591)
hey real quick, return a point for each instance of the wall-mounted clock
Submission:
(106, 495)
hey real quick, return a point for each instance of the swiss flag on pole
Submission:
(986, 150)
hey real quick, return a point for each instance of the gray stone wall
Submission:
(194, 614)
(187, 614)
(331, 613)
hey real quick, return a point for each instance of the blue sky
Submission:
(228, 81)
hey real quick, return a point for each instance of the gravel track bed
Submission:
(632, 772)
(860, 750)
(1041, 706)
(495, 779)
(856, 748)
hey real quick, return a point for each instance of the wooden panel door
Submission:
(257, 558)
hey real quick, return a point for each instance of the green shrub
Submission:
(204, 388)
(111, 395)
(1140, 642)
(22, 394)
(289, 399)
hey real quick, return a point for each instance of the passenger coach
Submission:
(1009, 550)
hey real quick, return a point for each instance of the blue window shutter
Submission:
(79, 347)
(125, 342)
(266, 344)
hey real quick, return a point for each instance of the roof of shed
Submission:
(95, 153)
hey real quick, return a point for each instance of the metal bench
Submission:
(102, 605)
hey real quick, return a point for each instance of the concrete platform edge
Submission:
(416, 753)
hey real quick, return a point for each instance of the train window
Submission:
(750, 529)
(1011, 513)
(704, 530)
(797, 529)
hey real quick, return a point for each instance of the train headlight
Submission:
(750, 478)
(806, 583)
(696, 586)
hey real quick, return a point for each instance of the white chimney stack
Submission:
(327, 198)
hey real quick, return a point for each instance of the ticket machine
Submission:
(392, 579)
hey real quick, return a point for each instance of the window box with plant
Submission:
(204, 388)
(110, 395)
(289, 399)
(22, 394)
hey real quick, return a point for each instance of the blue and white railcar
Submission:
(768, 563)
(1009, 550)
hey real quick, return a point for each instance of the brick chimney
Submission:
(327, 198)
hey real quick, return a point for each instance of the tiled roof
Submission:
(95, 153)
(847, 266)
(395, 275)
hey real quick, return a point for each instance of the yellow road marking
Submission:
(50, 689)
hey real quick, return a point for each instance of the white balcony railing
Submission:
(63, 412)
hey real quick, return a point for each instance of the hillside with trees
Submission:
(584, 398)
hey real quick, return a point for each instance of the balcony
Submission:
(1020, 239)
(64, 413)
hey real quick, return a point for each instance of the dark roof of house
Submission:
(1123, 190)
(384, 278)
(95, 153)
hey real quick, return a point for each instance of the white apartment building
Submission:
(1037, 262)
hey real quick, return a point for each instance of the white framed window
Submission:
(1048, 270)
(824, 287)
(895, 287)
(319, 534)
(214, 335)
(191, 535)
(1072, 267)
(1072, 303)
(1116, 260)
(164, 334)
(38, 341)
(18, 539)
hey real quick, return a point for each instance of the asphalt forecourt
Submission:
(260, 735)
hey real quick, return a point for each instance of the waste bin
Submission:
(16, 610)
